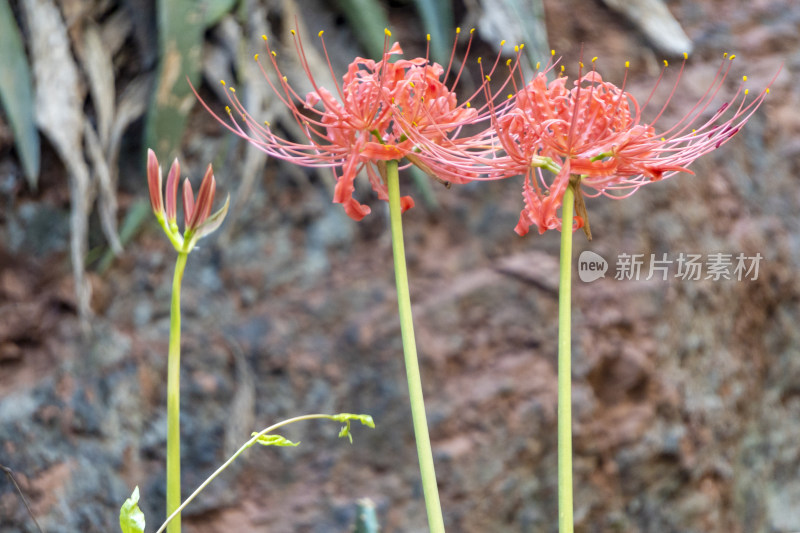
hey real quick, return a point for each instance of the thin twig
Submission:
(10, 474)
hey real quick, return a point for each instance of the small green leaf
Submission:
(349, 417)
(274, 440)
(131, 518)
(364, 419)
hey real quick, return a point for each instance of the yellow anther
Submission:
(488, 78)
(232, 89)
(266, 123)
(666, 64)
(264, 37)
(538, 64)
(663, 139)
(725, 54)
(255, 57)
(469, 105)
(411, 83)
(274, 54)
(320, 33)
(747, 91)
(292, 32)
(479, 60)
(428, 36)
(387, 32)
(228, 109)
(594, 59)
(521, 46)
(562, 69)
(744, 78)
(284, 78)
(766, 90)
(510, 96)
(516, 48)
(471, 31)
(627, 64)
(580, 63)
(502, 42)
(685, 55)
(732, 56)
(552, 52)
(458, 30)
(222, 82)
(508, 63)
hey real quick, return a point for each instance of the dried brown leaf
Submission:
(59, 114)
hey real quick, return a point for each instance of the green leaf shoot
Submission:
(347, 418)
(131, 518)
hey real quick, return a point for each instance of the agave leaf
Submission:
(368, 19)
(437, 18)
(180, 33)
(214, 10)
(517, 21)
(16, 94)
(366, 520)
(181, 25)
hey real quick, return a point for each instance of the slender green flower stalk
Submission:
(429, 486)
(198, 224)
(173, 394)
(565, 372)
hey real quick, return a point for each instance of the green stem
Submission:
(564, 368)
(429, 487)
(173, 397)
(174, 516)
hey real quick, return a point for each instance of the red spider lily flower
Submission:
(198, 220)
(593, 136)
(378, 113)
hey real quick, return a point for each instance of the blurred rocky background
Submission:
(686, 393)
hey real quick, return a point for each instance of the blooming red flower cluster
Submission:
(593, 135)
(382, 110)
(589, 133)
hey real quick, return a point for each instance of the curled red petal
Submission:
(355, 210)
(406, 203)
